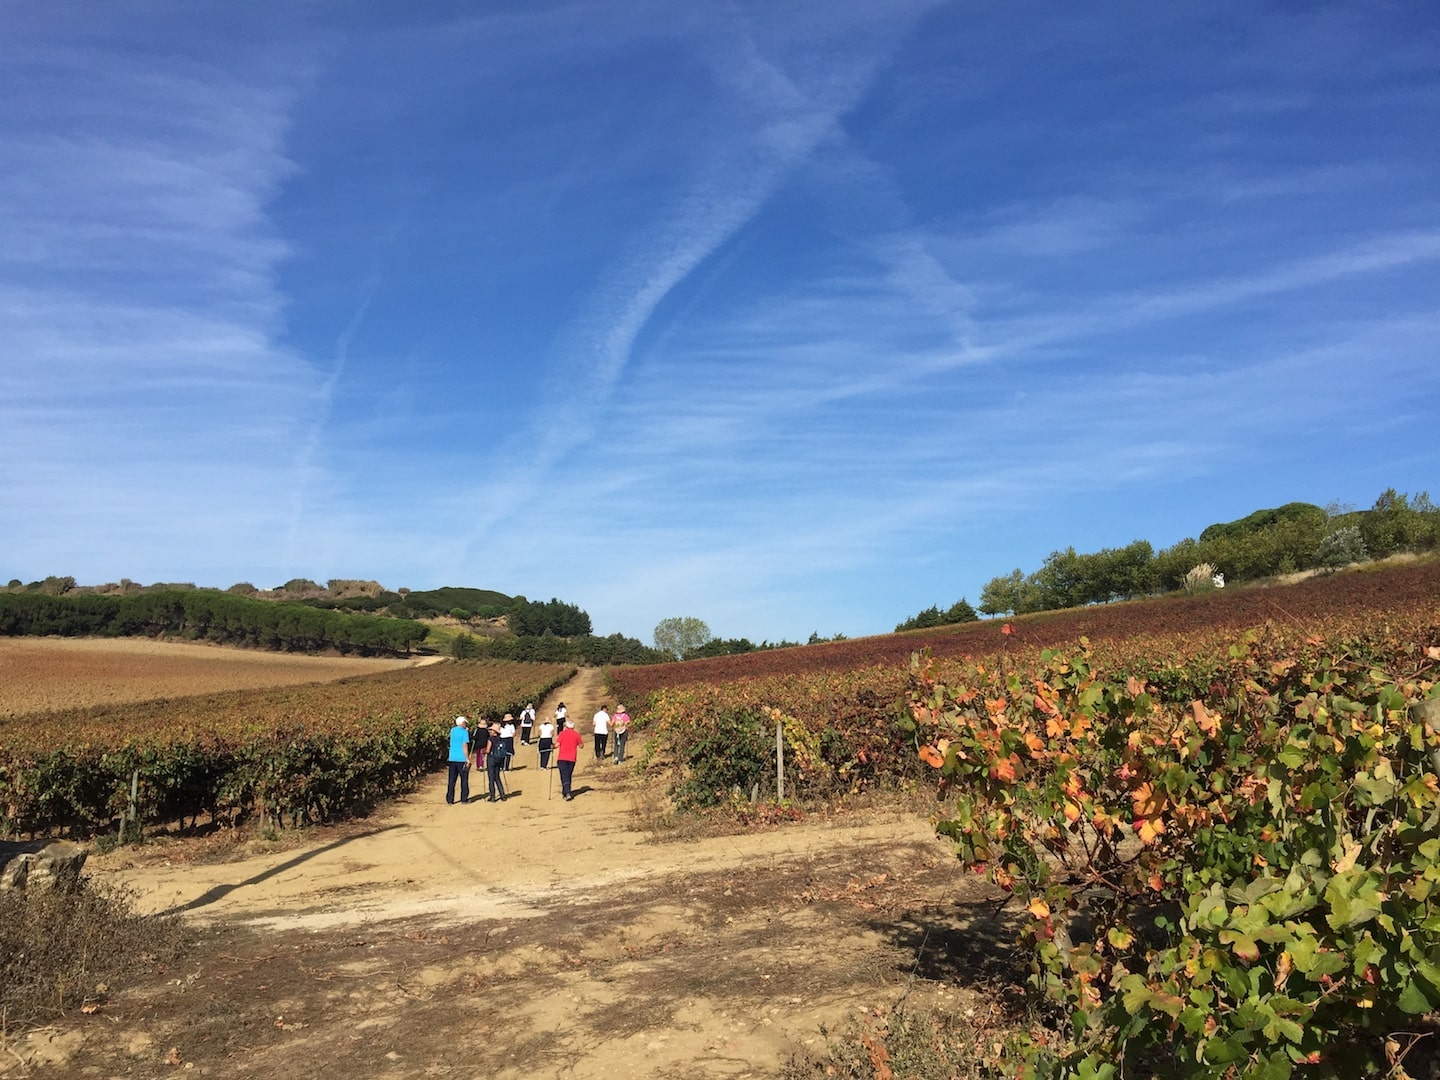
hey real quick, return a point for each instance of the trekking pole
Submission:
(549, 781)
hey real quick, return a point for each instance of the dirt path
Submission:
(530, 938)
(422, 857)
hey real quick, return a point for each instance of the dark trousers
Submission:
(493, 770)
(525, 734)
(567, 771)
(459, 770)
(546, 745)
(600, 741)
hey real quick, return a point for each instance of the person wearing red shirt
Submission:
(567, 752)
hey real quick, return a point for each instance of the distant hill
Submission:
(1260, 520)
(447, 609)
(346, 594)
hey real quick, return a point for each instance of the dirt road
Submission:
(530, 938)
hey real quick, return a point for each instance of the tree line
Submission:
(688, 638)
(1286, 539)
(958, 612)
(525, 618)
(550, 648)
(208, 615)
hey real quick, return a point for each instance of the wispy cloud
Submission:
(767, 124)
(138, 307)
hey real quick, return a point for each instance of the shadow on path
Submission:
(970, 944)
(221, 891)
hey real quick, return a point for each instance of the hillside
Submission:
(1377, 588)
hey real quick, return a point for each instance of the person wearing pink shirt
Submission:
(620, 728)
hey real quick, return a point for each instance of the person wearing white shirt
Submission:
(602, 733)
(507, 738)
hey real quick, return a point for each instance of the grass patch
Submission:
(62, 949)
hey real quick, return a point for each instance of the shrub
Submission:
(1340, 548)
(1200, 579)
(736, 751)
(63, 948)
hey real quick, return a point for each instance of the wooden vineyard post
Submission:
(779, 761)
(130, 813)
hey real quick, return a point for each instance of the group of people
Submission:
(606, 724)
(492, 748)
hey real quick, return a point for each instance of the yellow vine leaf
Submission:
(1205, 720)
(1350, 852)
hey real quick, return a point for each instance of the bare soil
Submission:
(533, 938)
(44, 674)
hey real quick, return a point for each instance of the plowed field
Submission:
(48, 674)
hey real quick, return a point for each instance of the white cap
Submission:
(462, 721)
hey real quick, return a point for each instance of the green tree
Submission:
(1063, 580)
(998, 595)
(533, 618)
(679, 636)
(1341, 548)
(960, 612)
(1393, 524)
(56, 585)
(1013, 592)
(1124, 573)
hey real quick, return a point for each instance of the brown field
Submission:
(45, 674)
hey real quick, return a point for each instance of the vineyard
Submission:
(1224, 828)
(1377, 590)
(296, 754)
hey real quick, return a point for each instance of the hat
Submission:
(462, 721)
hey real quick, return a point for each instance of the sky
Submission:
(795, 317)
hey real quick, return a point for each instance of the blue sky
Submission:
(791, 316)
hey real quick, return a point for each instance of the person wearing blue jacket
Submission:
(459, 761)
